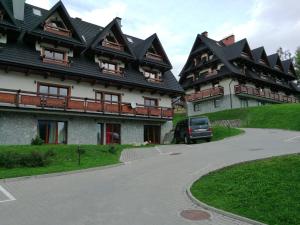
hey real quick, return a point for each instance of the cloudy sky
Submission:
(177, 22)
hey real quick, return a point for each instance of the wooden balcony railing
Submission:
(154, 56)
(25, 99)
(112, 45)
(55, 61)
(109, 71)
(208, 93)
(57, 30)
(243, 89)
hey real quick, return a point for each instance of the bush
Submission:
(32, 159)
(112, 149)
(37, 141)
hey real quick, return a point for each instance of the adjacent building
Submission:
(72, 82)
(225, 74)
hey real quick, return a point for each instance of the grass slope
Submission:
(65, 159)
(266, 190)
(281, 116)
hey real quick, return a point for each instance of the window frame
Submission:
(155, 100)
(64, 61)
(197, 107)
(47, 122)
(158, 78)
(103, 93)
(49, 85)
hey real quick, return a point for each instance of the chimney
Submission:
(205, 33)
(228, 40)
(18, 8)
(119, 20)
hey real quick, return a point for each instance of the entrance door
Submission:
(113, 133)
(152, 134)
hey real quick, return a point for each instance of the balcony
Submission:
(57, 30)
(114, 72)
(154, 56)
(264, 94)
(206, 94)
(33, 100)
(113, 45)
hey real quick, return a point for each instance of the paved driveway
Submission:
(147, 191)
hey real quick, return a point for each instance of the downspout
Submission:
(230, 94)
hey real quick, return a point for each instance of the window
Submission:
(217, 103)
(111, 97)
(109, 66)
(37, 12)
(100, 133)
(56, 25)
(152, 76)
(113, 133)
(150, 102)
(153, 54)
(111, 41)
(197, 107)
(52, 132)
(50, 89)
(54, 56)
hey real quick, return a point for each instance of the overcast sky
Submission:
(266, 23)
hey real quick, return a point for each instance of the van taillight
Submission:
(210, 129)
(190, 131)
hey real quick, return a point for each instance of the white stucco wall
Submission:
(15, 80)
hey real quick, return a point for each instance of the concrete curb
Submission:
(6, 180)
(213, 209)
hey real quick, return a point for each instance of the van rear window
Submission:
(198, 121)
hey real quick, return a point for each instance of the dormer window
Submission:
(56, 25)
(152, 76)
(111, 42)
(262, 61)
(245, 54)
(111, 66)
(54, 56)
(153, 54)
(277, 67)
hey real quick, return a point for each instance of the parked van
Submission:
(193, 129)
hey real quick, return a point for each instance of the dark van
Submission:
(193, 129)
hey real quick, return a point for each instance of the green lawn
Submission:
(267, 191)
(224, 132)
(65, 158)
(281, 116)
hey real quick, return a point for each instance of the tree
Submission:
(284, 54)
(297, 62)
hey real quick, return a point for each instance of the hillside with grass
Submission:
(283, 116)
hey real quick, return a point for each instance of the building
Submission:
(73, 82)
(225, 74)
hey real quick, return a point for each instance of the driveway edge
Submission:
(213, 209)
(56, 174)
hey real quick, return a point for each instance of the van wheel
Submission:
(187, 140)
(208, 139)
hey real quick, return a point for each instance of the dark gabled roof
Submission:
(235, 50)
(10, 22)
(288, 65)
(24, 55)
(27, 57)
(142, 48)
(274, 60)
(60, 8)
(217, 50)
(104, 32)
(260, 53)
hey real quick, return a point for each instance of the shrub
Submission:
(32, 159)
(9, 159)
(112, 149)
(37, 141)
